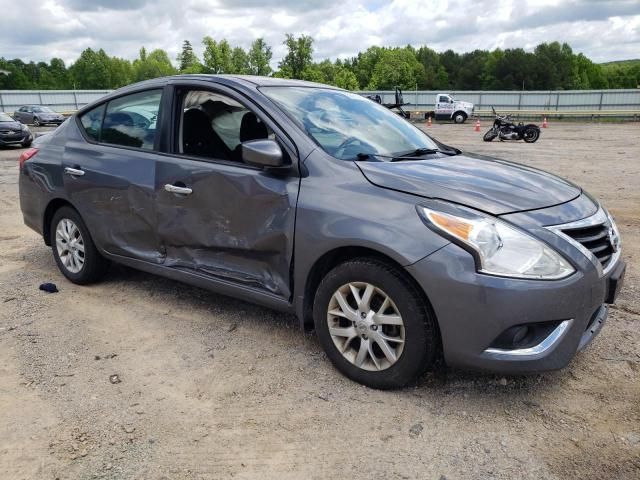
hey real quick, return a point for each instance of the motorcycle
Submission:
(505, 129)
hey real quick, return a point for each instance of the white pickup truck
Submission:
(447, 108)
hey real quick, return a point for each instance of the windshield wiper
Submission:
(418, 152)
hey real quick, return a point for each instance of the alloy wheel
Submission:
(366, 326)
(70, 245)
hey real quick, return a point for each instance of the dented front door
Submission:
(230, 222)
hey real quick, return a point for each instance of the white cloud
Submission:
(602, 30)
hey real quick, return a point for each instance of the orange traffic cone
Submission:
(477, 125)
(429, 121)
(544, 123)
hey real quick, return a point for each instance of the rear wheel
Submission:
(531, 135)
(74, 250)
(374, 325)
(36, 121)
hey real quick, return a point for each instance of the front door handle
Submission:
(73, 171)
(179, 190)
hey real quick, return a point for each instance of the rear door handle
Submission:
(74, 171)
(180, 190)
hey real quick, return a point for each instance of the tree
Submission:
(91, 70)
(397, 67)
(345, 78)
(187, 59)
(239, 61)
(217, 56)
(152, 65)
(259, 57)
(299, 56)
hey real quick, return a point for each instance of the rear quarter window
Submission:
(92, 122)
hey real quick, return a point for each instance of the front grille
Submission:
(596, 239)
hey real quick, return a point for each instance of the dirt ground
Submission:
(211, 387)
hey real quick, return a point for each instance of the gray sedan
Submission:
(38, 115)
(399, 250)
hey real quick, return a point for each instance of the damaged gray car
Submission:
(309, 199)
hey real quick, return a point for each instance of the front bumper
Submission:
(473, 310)
(15, 139)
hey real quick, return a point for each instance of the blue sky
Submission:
(40, 29)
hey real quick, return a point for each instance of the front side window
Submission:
(130, 120)
(444, 99)
(92, 122)
(213, 125)
(345, 124)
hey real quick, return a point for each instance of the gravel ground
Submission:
(142, 377)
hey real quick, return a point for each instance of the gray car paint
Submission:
(260, 234)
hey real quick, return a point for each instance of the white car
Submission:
(448, 108)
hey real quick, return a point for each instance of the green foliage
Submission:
(259, 57)
(550, 66)
(299, 56)
(152, 65)
(187, 59)
(396, 67)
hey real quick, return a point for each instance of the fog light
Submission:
(519, 334)
(523, 336)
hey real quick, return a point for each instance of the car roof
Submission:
(250, 81)
(246, 80)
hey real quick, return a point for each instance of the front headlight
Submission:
(499, 248)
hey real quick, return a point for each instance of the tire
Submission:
(489, 136)
(36, 122)
(407, 317)
(531, 135)
(93, 265)
(459, 117)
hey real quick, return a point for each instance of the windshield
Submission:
(5, 118)
(346, 125)
(42, 110)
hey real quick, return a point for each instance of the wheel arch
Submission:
(464, 114)
(52, 207)
(338, 255)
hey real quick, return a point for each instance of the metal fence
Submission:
(552, 101)
(58, 100)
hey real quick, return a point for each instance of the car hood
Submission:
(484, 183)
(10, 126)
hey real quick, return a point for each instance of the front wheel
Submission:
(374, 324)
(531, 135)
(490, 135)
(73, 249)
(459, 117)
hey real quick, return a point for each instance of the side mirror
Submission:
(262, 153)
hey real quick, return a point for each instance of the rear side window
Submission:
(131, 120)
(92, 122)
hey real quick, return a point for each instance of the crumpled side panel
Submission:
(116, 198)
(237, 224)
